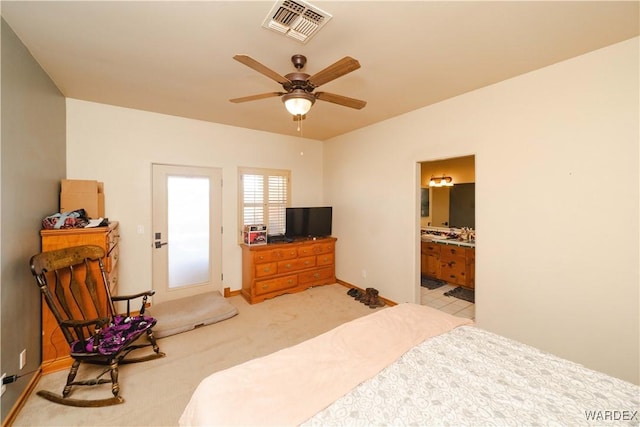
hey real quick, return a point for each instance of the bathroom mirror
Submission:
(449, 206)
(453, 206)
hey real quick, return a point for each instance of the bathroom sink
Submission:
(433, 237)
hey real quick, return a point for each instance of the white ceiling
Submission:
(175, 57)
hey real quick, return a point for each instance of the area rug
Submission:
(188, 313)
(462, 293)
(429, 283)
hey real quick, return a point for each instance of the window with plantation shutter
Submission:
(264, 197)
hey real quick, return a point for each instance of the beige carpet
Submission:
(156, 392)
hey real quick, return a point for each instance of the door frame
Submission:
(159, 258)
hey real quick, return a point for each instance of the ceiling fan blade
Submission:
(341, 100)
(252, 63)
(256, 97)
(337, 69)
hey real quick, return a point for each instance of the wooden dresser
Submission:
(280, 268)
(55, 350)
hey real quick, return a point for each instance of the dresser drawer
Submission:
(430, 248)
(324, 248)
(272, 285)
(454, 272)
(296, 264)
(318, 276)
(306, 250)
(113, 238)
(112, 258)
(325, 259)
(471, 256)
(275, 255)
(113, 282)
(266, 269)
(316, 249)
(451, 253)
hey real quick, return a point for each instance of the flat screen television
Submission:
(308, 222)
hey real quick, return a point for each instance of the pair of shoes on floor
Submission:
(369, 297)
(353, 292)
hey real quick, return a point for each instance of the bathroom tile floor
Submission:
(435, 298)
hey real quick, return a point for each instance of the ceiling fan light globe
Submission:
(298, 103)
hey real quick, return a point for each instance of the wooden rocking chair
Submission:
(74, 290)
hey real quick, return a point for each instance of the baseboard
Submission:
(229, 293)
(349, 285)
(22, 399)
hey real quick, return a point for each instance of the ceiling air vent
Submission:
(296, 19)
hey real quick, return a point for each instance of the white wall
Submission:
(118, 145)
(557, 204)
(557, 255)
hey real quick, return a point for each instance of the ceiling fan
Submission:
(298, 95)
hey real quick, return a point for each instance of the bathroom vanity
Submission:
(448, 260)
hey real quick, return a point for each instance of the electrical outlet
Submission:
(4, 387)
(23, 358)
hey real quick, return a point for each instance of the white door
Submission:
(187, 228)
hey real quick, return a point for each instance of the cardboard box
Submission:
(82, 194)
(255, 234)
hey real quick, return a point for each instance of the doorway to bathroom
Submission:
(448, 235)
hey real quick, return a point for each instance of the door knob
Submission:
(160, 244)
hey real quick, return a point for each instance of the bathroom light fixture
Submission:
(298, 102)
(443, 181)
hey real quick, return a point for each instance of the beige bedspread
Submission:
(291, 385)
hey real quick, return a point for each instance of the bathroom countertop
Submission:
(445, 241)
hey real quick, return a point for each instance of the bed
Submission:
(411, 365)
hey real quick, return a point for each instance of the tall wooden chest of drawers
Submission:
(55, 350)
(280, 268)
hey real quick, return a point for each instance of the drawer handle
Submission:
(287, 266)
(267, 269)
(260, 257)
(289, 282)
(264, 287)
(306, 263)
(316, 276)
